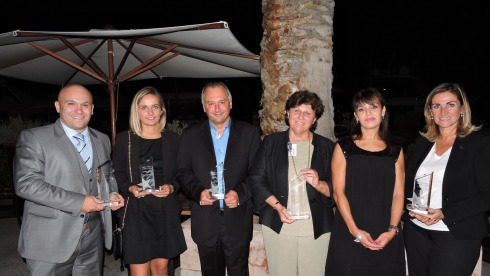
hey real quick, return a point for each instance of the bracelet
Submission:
(397, 229)
(358, 238)
(274, 206)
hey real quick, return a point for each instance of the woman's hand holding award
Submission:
(297, 197)
(147, 176)
(422, 189)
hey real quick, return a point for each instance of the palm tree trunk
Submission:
(296, 55)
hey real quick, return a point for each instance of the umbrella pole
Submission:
(112, 97)
(112, 90)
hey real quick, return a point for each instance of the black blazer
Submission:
(196, 159)
(465, 187)
(269, 176)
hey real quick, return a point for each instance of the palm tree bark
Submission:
(296, 54)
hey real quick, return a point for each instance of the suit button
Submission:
(82, 215)
(312, 200)
(446, 198)
(90, 180)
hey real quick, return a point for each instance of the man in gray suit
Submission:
(64, 222)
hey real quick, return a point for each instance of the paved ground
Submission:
(12, 265)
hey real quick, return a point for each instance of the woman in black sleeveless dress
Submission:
(152, 232)
(368, 181)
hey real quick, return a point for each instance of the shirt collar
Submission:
(71, 132)
(214, 131)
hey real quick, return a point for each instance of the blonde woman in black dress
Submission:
(152, 233)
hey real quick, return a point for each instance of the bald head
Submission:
(75, 106)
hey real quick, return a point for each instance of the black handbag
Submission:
(117, 236)
(117, 239)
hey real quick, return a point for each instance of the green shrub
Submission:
(9, 130)
(177, 126)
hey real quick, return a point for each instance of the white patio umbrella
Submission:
(112, 56)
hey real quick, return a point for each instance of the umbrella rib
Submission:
(126, 55)
(66, 61)
(150, 63)
(88, 57)
(58, 49)
(150, 42)
(148, 66)
(88, 61)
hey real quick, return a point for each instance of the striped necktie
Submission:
(83, 150)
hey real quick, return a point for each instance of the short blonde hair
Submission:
(465, 127)
(134, 119)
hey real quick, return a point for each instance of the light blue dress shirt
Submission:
(71, 132)
(220, 142)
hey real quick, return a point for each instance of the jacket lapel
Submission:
(233, 141)
(423, 154)
(134, 145)
(453, 163)
(98, 158)
(206, 137)
(283, 163)
(67, 146)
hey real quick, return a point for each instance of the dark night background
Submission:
(433, 41)
(421, 42)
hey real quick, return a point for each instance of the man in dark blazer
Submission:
(222, 229)
(63, 222)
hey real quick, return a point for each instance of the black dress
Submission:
(370, 181)
(152, 225)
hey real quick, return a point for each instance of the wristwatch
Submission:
(397, 229)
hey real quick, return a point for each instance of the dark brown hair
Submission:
(370, 96)
(305, 97)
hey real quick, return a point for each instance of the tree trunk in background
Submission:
(296, 55)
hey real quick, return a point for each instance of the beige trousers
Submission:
(295, 255)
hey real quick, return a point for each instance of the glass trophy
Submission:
(422, 190)
(217, 190)
(106, 182)
(147, 176)
(297, 196)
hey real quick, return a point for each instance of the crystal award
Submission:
(422, 190)
(297, 197)
(106, 182)
(147, 176)
(217, 190)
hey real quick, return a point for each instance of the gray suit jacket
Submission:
(52, 178)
